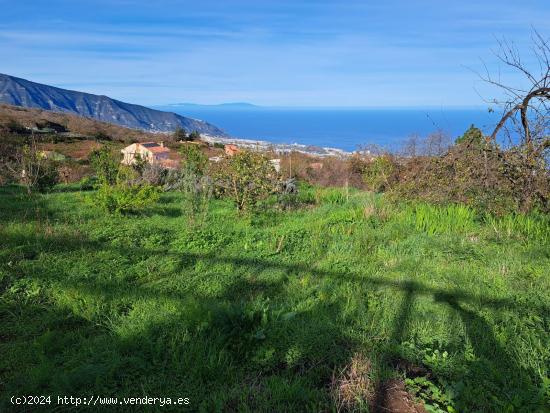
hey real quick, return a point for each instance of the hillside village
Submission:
(72, 139)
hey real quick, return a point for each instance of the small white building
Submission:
(151, 152)
(215, 159)
(276, 164)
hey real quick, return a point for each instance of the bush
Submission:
(197, 190)
(469, 174)
(194, 136)
(246, 178)
(14, 126)
(101, 136)
(180, 134)
(36, 172)
(380, 173)
(153, 174)
(193, 159)
(287, 193)
(47, 178)
(105, 164)
(473, 136)
(87, 183)
(126, 194)
(478, 173)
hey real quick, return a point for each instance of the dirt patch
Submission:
(352, 388)
(392, 397)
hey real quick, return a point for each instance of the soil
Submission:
(392, 397)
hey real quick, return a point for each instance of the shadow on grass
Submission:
(73, 187)
(494, 368)
(17, 205)
(225, 350)
(167, 211)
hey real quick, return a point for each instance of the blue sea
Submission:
(341, 128)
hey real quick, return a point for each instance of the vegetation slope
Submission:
(306, 310)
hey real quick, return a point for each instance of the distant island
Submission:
(228, 105)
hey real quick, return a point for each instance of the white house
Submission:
(151, 152)
(276, 164)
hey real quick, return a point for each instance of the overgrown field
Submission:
(264, 312)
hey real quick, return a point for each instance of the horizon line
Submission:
(252, 106)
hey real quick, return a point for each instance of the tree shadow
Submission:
(69, 188)
(235, 337)
(382, 391)
(493, 367)
(167, 211)
(213, 348)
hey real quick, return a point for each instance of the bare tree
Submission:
(32, 168)
(411, 146)
(436, 144)
(477, 170)
(526, 111)
(526, 108)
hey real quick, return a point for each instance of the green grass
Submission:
(259, 313)
(457, 219)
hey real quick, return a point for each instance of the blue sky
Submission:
(290, 53)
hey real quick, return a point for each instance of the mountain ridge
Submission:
(22, 92)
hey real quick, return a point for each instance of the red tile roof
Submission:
(154, 147)
(231, 149)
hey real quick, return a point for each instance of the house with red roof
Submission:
(231, 149)
(151, 152)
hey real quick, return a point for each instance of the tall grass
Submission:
(532, 227)
(435, 219)
(333, 196)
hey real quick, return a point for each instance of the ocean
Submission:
(341, 128)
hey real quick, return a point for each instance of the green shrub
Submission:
(126, 194)
(140, 163)
(48, 178)
(194, 136)
(193, 159)
(246, 178)
(287, 194)
(473, 136)
(379, 173)
(102, 136)
(196, 188)
(105, 164)
(180, 134)
(87, 183)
